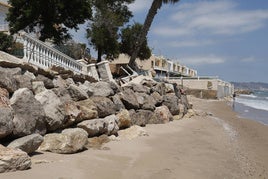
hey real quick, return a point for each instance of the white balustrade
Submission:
(44, 56)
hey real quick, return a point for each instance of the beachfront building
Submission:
(160, 66)
(3, 11)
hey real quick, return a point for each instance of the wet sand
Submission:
(218, 145)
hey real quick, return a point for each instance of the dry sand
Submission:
(219, 145)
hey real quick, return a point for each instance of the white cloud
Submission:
(202, 60)
(190, 43)
(248, 59)
(212, 17)
(140, 5)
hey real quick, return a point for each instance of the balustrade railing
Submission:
(44, 56)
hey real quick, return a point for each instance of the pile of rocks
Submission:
(58, 111)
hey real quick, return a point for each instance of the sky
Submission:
(225, 38)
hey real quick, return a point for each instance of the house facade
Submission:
(161, 66)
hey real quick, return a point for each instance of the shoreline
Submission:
(216, 143)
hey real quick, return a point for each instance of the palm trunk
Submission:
(146, 26)
(99, 55)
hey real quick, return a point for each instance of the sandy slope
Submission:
(217, 146)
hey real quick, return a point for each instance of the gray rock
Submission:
(138, 88)
(96, 127)
(87, 89)
(76, 93)
(132, 132)
(29, 115)
(140, 117)
(129, 99)
(68, 142)
(6, 123)
(28, 144)
(38, 87)
(58, 82)
(53, 107)
(149, 103)
(117, 102)
(158, 98)
(8, 82)
(169, 88)
(105, 87)
(124, 120)
(105, 106)
(23, 81)
(160, 88)
(7, 114)
(88, 110)
(161, 115)
(47, 81)
(13, 159)
(171, 101)
(30, 75)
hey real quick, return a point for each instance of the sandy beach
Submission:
(216, 143)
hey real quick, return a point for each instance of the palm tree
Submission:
(157, 4)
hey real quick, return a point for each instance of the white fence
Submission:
(42, 55)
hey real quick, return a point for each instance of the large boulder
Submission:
(117, 102)
(47, 81)
(6, 123)
(132, 132)
(136, 87)
(13, 159)
(161, 115)
(88, 110)
(149, 103)
(77, 93)
(158, 98)
(140, 117)
(7, 79)
(129, 99)
(171, 101)
(106, 89)
(23, 81)
(124, 120)
(87, 88)
(105, 106)
(28, 144)
(7, 114)
(68, 142)
(96, 127)
(38, 87)
(29, 115)
(53, 108)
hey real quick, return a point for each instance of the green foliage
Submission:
(50, 18)
(72, 49)
(6, 42)
(129, 37)
(156, 5)
(102, 32)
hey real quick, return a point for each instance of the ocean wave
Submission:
(248, 96)
(257, 104)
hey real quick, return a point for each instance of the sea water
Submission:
(253, 106)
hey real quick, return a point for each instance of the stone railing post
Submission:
(104, 71)
(91, 70)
